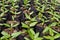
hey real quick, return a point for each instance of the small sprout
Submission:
(8, 36)
(5, 35)
(53, 24)
(14, 35)
(26, 3)
(29, 25)
(45, 30)
(6, 25)
(27, 16)
(33, 23)
(49, 30)
(13, 23)
(52, 37)
(34, 36)
(33, 19)
(25, 25)
(43, 8)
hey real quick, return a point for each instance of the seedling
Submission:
(14, 7)
(26, 3)
(3, 10)
(10, 24)
(7, 36)
(50, 30)
(30, 23)
(52, 37)
(33, 35)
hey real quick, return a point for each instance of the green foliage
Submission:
(14, 35)
(26, 3)
(33, 35)
(30, 25)
(10, 25)
(50, 31)
(52, 37)
(7, 36)
(25, 25)
(45, 12)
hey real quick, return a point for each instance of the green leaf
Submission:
(33, 24)
(39, 38)
(15, 25)
(43, 7)
(36, 35)
(31, 30)
(15, 34)
(16, 7)
(33, 19)
(7, 25)
(27, 16)
(31, 33)
(47, 37)
(2, 14)
(13, 1)
(0, 39)
(25, 25)
(26, 38)
(1, 24)
(16, 13)
(31, 13)
(5, 37)
(58, 16)
(53, 24)
(51, 32)
(54, 31)
(26, 2)
(46, 29)
(4, 33)
(57, 36)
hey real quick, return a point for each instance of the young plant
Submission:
(10, 24)
(7, 36)
(52, 37)
(3, 10)
(37, 2)
(32, 22)
(33, 35)
(26, 3)
(28, 16)
(28, 25)
(49, 29)
(56, 16)
(14, 7)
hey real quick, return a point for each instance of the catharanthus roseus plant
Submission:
(10, 24)
(7, 36)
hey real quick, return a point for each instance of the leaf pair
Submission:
(33, 35)
(50, 30)
(28, 17)
(30, 25)
(52, 37)
(6, 35)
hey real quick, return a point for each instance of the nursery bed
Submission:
(29, 20)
